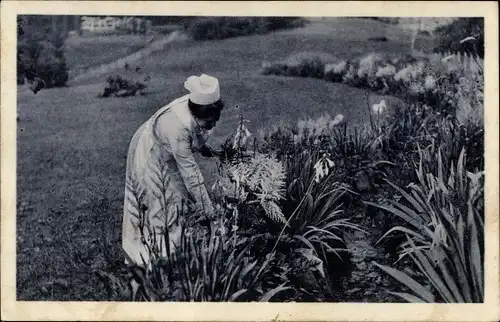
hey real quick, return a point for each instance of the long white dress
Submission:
(163, 181)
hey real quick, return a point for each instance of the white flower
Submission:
(296, 139)
(301, 127)
(416, 88)
(322, 124)
(301, 124)
(336, 121)
(310, 126)
(236, 178)
(338, 68)
(222, 229)
(262, 133)
(380, 107)
(366, 64)
(403, 74)
(322, 168)
(328, 68)
(242, 134)
(416, 71)
(430, 82)
(215, 185)
(467, 39)
(383, 105)
(388, 70)
(447, 58)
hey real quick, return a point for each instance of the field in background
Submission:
(72, 145)
(85, 52)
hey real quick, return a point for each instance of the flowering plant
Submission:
(322, 167)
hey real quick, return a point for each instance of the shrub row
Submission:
(212, 28)
(426, 80)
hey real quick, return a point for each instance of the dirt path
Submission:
(366, 283)
(120, 63)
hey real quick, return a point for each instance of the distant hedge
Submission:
(389, 20)
(170, 20)
(211, 28)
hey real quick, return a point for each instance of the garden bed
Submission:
(307, 215)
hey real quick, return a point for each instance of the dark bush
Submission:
(312, 67)
(449, 36)
(121, 87)
(276, 69)
(40, 53)
(211, 28)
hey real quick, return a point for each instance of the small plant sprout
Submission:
(322, 167)
(242, 134)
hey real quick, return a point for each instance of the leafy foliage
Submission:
(449, 36)
(444, 231)
(40, 53)
(258, 181)
(121, 87)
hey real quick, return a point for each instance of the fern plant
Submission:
(257, 181)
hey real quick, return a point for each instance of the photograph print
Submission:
(250, 158)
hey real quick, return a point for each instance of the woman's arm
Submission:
(180, 140)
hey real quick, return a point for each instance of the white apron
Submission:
(162, 181)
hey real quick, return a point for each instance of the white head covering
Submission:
(203, 89)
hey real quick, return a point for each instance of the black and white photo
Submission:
(251, 158)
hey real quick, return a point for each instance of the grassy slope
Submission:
(72, 145)
(84, 52)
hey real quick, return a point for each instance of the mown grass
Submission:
(72, 146)
(85, 52)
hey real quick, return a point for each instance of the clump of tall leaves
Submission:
(217, 266)
(213, 264)
(314, 209)
(444, 230)
(313, 203)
